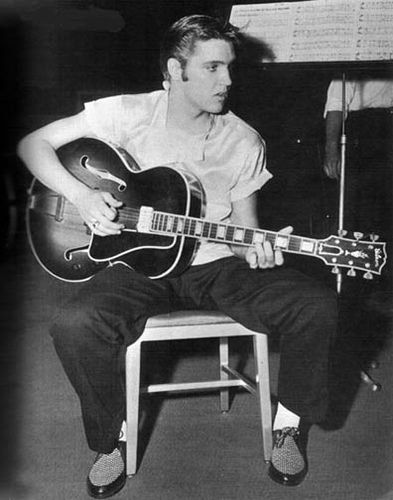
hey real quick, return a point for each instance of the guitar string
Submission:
(131, 215)
(294, 242)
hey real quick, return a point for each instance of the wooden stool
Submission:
(198, 325)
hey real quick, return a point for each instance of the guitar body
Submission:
(65, 246)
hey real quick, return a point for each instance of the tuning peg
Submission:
(368, 275)
(351, 272)
(374, 237)
(335, 270)
(358, 235)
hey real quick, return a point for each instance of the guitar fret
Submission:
(187, 226)
(159, 222)
(230, 233)
(259, 236)
(221, 231)
(295, 244)
(170, 223)
(192, 227)
(306, 245)
(205, 230)
(155, 220)
(213, 231)
(180, 225)
(239, 233)
(282, 241)
(249, 236)
(271, 237)
(198, 228)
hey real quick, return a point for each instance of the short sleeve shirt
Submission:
(360, 94)
(229, 160)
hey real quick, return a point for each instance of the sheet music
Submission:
(320, 30)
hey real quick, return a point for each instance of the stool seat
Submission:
(184, 318)
(194, 324)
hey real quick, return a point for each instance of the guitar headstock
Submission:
(355, 254)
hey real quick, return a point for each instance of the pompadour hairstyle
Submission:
(180, 39)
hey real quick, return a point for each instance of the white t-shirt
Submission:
(229, 160)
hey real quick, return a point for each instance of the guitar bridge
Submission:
(145, 219)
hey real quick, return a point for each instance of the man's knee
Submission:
(321, 309)
(79, 322)
(69, 324)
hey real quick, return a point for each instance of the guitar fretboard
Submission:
(169, 224)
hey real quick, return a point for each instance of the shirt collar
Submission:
(187, 146)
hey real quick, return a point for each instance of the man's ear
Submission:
(174, 68)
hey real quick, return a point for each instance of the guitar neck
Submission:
(169, 224)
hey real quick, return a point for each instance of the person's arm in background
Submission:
(333, 124)
(332, 160)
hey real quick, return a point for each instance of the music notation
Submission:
(320, 30)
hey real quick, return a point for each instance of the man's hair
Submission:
(180, 39)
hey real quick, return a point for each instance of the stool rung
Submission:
(245, 382)
(193, 386)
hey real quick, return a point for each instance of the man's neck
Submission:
(182, 116)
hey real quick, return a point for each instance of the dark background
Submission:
(56, 54)
(59, 53)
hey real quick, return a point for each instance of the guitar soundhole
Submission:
(103, 173)
(84, 161)
(69, 254)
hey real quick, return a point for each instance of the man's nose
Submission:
(226, 77)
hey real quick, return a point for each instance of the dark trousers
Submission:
(369, 172)
(91, 332)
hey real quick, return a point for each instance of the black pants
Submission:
(369, 173)
(92, 331)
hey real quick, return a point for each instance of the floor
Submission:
(188, 449)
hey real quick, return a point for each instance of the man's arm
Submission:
(332, 163)
(244, 213)
(38, 151)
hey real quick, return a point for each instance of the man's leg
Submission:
(91, 333)
(304, 313)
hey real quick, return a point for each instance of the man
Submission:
(184, 126)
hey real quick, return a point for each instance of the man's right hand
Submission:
(99, 209)
(332, 162)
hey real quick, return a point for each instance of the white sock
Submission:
(285, 418)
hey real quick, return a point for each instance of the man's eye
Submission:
(212, 68)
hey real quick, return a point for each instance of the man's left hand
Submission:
(263, 256)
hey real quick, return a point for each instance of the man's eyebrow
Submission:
(214, 62)
(219, 62)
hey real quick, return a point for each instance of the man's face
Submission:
(206, 77)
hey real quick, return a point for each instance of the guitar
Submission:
(162, 213)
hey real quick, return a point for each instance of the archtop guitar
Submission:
(162, 212)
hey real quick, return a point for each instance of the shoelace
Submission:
(284, 433)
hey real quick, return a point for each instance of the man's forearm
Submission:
(332, 129)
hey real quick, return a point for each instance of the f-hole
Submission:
(103, 173)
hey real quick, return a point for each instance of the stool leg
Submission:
(133, 358)
(261, 359)
(224, 361)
